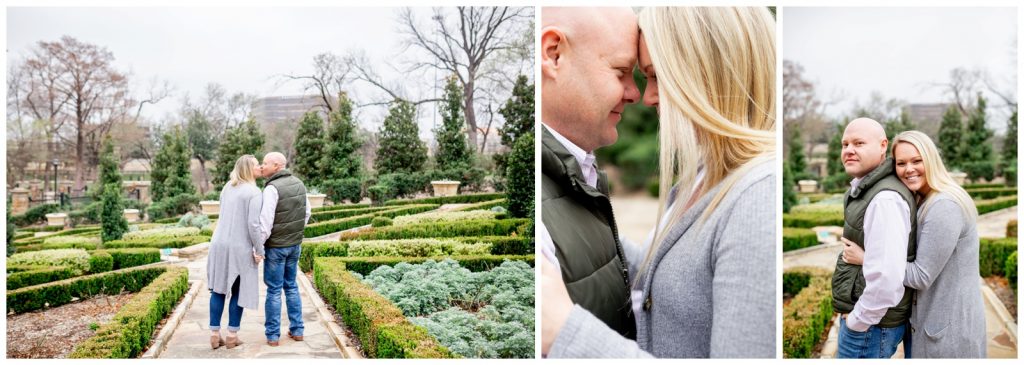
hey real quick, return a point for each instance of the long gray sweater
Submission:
(233, 242)
(948, 317)
(711, 286)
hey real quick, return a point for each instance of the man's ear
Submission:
(552, 45)
(885, 147)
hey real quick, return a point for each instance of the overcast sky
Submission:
(243, 49)
(899, 52)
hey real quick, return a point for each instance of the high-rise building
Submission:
(277, 109)
(927, 117)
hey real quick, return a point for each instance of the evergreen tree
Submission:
(518, 113)
(903, 123)
(112, 202)
(243, 139)
(400, 149)
(309, 146)
(950, 131)
(788, 188)
(341, 167)
(202, 141)
(161, 161)
(978, 151)
(837, 178)
(452, 151)
(797, 159)
(1010, 142)
(521, 178)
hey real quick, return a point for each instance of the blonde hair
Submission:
(716, 72)
(244, 172)
(935, 173)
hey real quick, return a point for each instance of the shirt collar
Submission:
(584, 158)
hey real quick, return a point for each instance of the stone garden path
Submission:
(1002, 336)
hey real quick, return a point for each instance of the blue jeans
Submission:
(217, 309)
(279, 272)
(875, 343)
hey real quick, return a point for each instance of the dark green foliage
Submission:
(797, 238)
(62, 292)
(176, 194)
(365, 265)
(10, 232)
(518, 113)
(244, 139)
(341, 165)
(202, 139)
(112, 214)
(309, 148)
(130, 257)
(794, 281)
(991, 193)
(100, 261)
(636, 150)
(391, 186)
(1011, 270)
(342, 213)
(400, 149)
(520, 175)
(380, 326)
(34, 215)
(172, 208)
(176, 242)
(489, 227)
(452, 150)
(470, 177)
(788, 188)
(903, 123)
(977, 150)
(341, 224)
(805, 318)
(993, 254)
(797, 157)
(950, 133)
(837, 178)
(339, 190)
(67, 232)
(380, 222)
(37, 275)
(500, 246)
(985, 206)
(811, 220)
(129, 333)
(1010, 142)
(456, 199)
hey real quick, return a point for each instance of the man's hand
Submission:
(257, 258)
(852, 253)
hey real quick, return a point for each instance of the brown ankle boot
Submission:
(233, 341)
(216, 341)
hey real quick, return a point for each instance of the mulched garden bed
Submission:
(1001, 287)
(53, 333)
(353, 340)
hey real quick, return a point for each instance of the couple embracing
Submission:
(256, 227)
(909, 268)
(703, 283)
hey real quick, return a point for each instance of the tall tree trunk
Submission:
(470, 112)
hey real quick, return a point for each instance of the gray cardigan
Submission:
(233, 242)
(711, 286)
(948, 317)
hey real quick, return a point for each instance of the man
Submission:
(282, 219)
(880, 216)
(587, 60)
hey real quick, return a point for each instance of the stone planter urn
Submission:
(959, 177)
(808, 186)
(56, 219)
(210, 207)
(131, 215)
(445, 187)
(316, 200)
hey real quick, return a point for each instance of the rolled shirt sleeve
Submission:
(547, 245)
(266, 221)
(886, 234)
(309, 211)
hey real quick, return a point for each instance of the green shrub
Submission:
(811, 220)
(85, 243)
(100, 261)
(797, 238)
(991, 205)
(1011, 270)
(981, 186)
(365, 265)
(37, 275)
(486, 205)
(167, 220)
(172, 232)
(991, 193)
(520, 175)
(345, 213)
(83, 231)
(75, 259)
(419, 247)
(177, 242)
(819, 209)
(172, 207)
(380, 326)
(437, 217)
(131, 329)
(62, 292)
(455, 199)
(36, 214)
(805, 318)
(341, 224)
(194, 220)
(340, 207)
(500, 227)
(794, 281)
(124, 258)
(1011, 228)
(993, 254)
(381, 222)
(379, 193)
(339, 190)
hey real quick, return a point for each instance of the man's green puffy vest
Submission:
(848, 280)
(290, 214)
(582, 226)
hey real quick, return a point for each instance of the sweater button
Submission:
(647, 304)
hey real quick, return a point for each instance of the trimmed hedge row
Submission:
(40, 275)
(990, 193)
(34, 215)
(797, 238)
(100, 261)
(329, 208)
(991, 205)
(130, 257)
(487, 227)
(982, 186)
(381, 327)
(62, 292)
(1011, 270)
(1011, 228)
(75, 259)
(454, 199)
(805, 318)
(503, 202)
(794, 281)
(993, 254)
(177, 242)
(520, 246)
(344, 213)
(341, 224)
(365, 265)
(129, 332)
(67, 232)
(807, 220)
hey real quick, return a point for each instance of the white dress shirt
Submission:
(585, 159)
(886, 233)
(266, 222)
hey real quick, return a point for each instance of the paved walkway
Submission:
(192, 337)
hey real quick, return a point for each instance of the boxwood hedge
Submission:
(805, 318)
(797, 238)
(62, 292)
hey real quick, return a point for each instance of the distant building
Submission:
(277, 109)
(927, 117)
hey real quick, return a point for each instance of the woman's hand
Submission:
(852, 253)
(257, 258)
(556, 304)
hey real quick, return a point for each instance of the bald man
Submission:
(880, 215)
(587, 60)
(282, 220)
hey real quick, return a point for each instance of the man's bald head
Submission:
(272, 163)
(864, 144)
(587, 60)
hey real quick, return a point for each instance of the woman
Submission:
(948, 318)
(234, 255)
(705, 287)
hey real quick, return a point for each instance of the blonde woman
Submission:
(948, 318)
(231, 267)
(704, 286)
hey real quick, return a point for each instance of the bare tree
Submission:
(330, 75)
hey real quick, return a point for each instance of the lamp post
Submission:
(55, 163)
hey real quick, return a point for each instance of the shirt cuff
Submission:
(854, 323)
